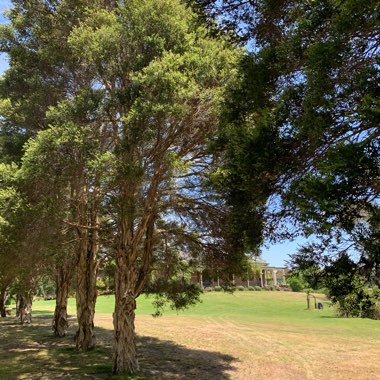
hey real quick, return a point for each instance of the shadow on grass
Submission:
(30, 351)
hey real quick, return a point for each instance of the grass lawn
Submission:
(246, 335)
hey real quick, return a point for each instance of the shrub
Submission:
(218, 288)
(258, 288)
(208, 289)
(229, 288)
(296, 284)
(360, 303)
(251, 288)
(240, 288)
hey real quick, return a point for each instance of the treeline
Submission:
(107, 114)
(140, 134)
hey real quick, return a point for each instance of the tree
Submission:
(70, 180)
(122, 146)
(301, 140)
(42, 73)
(9, 202)
(161, 79)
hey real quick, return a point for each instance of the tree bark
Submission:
(86, 294)
(130, 278)
(3, 296)
(86, 215)
(24, 307)
(60, 322)
(125, 352)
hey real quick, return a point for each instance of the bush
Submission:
(360, 303)
(258, 288)
(229, 288)
(218, 288)
(208, 289)
(240, 288)
(296, 284)
(251, 288)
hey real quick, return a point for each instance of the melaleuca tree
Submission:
(161, 80)
(23, 254)
(43, 73)
(71, 180)
(145, 95)
(9, 203)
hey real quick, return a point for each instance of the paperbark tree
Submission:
(71, 188)
(161, 80)
(129, 136)
(41, 74)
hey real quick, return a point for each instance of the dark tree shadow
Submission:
(32, 352)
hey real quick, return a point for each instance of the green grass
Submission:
(260, 307)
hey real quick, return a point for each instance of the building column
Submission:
(274, 275)
(283, 277)
(261, 278)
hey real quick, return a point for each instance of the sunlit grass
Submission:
(265, 307)
(228, 336)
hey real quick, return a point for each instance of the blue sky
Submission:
(4, 4)
(275, 255)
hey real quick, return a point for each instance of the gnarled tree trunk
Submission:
(24, 307)
(125, 352)
(85, 212)
(3, 297)
(130, 279)
(60, 323)
(86, 292)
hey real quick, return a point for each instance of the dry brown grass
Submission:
(302, 345)
(261, 351)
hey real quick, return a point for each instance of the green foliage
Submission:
(361, 302)
(178, 294)
(240, 288)
(300, 126)
(297, 284)
(218, 288)
(101, 285)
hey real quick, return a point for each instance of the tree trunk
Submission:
(86, 294)
(24, 307)
(125, 352)
(60, 322)
(19, 304)
(86, 215)
(3, 296)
